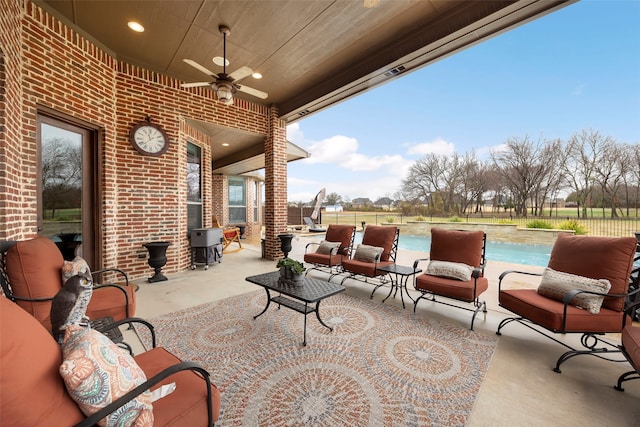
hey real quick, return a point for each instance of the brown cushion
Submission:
(316, 258)
(342, 234)
(548, 313)
(556, 284)
(457, 246)
(32, 390)
(187, 406)
(365, 268)
(608, 258)
(34, 269)
(382, 237)
(452, 288)
(631, 344)
(109, 301)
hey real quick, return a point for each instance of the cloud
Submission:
(294, 134)
(438, 146)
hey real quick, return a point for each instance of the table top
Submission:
(400, 269)
(312, 290)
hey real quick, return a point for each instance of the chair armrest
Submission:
(113, 270)
(309, 244)
(184, 366)
(477, 272)
(415, 263)
(130, 320)
(505, 273)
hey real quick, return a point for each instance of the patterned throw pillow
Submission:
(556, 284)
(76, 267)
(326, 248)
(366, 253)
(96, 372)
(451, 270)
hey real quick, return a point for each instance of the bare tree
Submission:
(584, 152)
(61, 174)
(333, 199)
(521, 165)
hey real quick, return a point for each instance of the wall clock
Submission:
(148, 138)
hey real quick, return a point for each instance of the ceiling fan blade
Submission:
(241, 73)
(251, 91)
(197, 66)
(196, 84)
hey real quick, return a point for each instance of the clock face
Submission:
(149, 139)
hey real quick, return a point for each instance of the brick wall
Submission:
(47, 64)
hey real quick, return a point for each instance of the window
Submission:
(194, 187)
(237, 200)
(256, 196)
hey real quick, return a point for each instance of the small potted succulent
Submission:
(291, 271)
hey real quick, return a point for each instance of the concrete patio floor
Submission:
(520, 388)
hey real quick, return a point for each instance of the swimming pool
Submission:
(515, 253)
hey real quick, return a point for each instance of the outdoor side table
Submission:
(399, 275)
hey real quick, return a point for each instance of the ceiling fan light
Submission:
(224, 93)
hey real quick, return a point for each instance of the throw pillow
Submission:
(96, 372)
(451, 270)
(327, 248)
(366, 253)
(76, 267)
(556, 284)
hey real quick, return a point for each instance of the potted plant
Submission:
(291, 271)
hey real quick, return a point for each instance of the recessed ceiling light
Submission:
(220, 61)
(225, 144)
(135, 26)
(256, 75)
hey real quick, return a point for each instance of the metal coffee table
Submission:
(304, 299)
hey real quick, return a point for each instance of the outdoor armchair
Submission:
(31, 274)
(328, 254)
(583, 272)
(455, 269)
(630, 347)
(34, 391)
(378, 248)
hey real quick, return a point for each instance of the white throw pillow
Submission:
(327, 248)
(366, 253)
(556, 284)
(451, 270)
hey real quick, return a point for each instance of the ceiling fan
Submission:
(225, 84)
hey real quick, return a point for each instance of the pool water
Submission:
(537, 255)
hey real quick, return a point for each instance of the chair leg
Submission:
(631, 375)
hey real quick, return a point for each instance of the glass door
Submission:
(66, 187)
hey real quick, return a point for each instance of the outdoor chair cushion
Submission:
(340, 233)
(452, 288)
(31, 390)
(631, 344)
(548, 312)
(556, 284)
(457, 246)
(380, 236)
(597, 258)
(35, 269)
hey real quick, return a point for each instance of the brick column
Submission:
(275, 166)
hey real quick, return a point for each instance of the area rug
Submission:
(381, 365)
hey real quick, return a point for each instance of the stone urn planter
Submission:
(157, 259)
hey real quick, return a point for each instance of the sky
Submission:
(572, 70)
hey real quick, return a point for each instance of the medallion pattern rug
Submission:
(381, 365)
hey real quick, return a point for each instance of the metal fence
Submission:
(615, 227)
